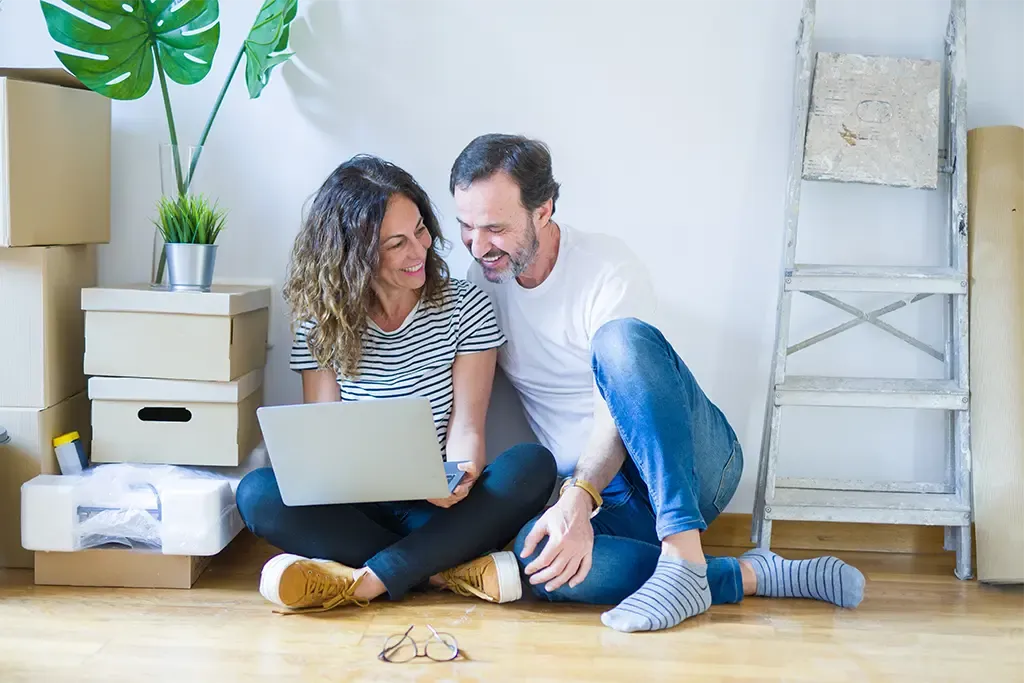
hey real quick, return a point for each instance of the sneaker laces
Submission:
(467, 581)
(321, 584)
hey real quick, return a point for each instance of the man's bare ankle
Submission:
(684, 546)
(749, 578)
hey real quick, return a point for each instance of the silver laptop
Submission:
(355, 451)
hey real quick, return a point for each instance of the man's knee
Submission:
(585, 592)
(519, 545)
(615, 343)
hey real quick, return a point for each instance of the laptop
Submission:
(356, 452)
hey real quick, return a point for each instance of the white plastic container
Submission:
(70, 453)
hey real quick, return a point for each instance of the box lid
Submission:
(51, 75)
(174, 390)
(141, 298)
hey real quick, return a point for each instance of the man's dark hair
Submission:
(527, 161)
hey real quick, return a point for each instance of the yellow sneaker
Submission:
(494, 578)
(304, 585)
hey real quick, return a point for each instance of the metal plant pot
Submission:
(190, 266)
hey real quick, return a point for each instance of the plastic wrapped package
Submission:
(168, 509)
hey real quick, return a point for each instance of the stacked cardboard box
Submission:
(178, 376)
(175, 378)
(54, 207)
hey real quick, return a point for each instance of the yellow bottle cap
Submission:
(65, 439)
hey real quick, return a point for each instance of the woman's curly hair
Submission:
(336, 255)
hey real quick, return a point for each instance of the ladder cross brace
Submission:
(870, 317)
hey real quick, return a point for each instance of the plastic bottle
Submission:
(70, 453)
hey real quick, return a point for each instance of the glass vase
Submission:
(178, 164)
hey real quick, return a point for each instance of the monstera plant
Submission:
(128, 41)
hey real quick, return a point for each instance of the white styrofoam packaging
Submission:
(28, 453)
(167, 509)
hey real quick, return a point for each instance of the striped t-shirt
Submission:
(417, 358)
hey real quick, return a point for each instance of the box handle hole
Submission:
(162, 414)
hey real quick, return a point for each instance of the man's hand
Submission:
(567, 555)
(462, 490)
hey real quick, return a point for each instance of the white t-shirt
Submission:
(549, 328)
(417, 358)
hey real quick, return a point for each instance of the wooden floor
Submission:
(917, 623)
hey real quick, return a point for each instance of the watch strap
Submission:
(590, 489)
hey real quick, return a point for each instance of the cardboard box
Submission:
(175, 422)
(28, 454)
(54, 160)
(42, 327)
(139, 331)
(118, 568)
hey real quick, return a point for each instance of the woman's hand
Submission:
(472, 472)
(471, 379)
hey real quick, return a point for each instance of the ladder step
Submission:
(858, 392)
(876, 507)
(862, 485)
(898, 279)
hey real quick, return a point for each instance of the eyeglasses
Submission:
(440, 647)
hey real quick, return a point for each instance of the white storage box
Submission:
(139, 331)
(174, 422)
(42, 326)
(54, 160)
(165, 509)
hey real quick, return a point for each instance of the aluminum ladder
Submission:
(946, 504)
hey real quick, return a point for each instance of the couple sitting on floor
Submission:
(649, 460)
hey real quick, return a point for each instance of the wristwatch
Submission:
(586, 486)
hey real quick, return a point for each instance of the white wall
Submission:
(669, 125)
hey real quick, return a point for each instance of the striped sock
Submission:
(823, 578)
(677, 590)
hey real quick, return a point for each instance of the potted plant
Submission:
(189, 226)
(130, 41)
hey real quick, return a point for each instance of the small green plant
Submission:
(189, 219)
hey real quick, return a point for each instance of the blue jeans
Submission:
(405, 543)
(683, 467)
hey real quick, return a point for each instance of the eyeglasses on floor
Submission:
(401, 647)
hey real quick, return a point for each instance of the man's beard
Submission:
(518, 262)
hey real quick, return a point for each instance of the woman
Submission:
(379, 317)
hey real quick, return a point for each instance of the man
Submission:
(650, 460)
